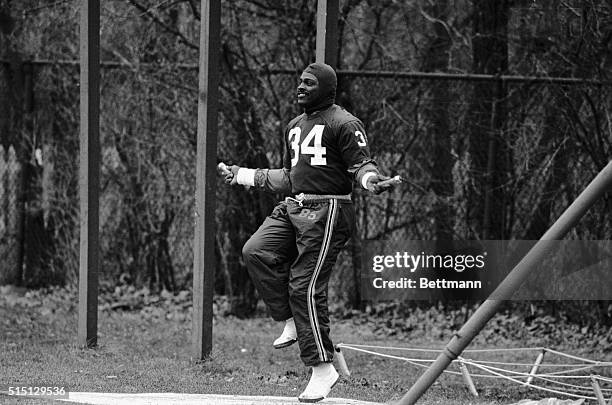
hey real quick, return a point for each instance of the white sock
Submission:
(322, 369)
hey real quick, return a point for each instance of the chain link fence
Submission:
(10, 231)
(10, 178)
(482, 159)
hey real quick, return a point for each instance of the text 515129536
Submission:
(38, 391)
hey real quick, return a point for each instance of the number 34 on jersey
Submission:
(312, 144)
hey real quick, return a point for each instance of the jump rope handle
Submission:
(393, 181)
(223, 169)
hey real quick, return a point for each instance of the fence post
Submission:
(204, 235)
(327, 32)
(89, 173)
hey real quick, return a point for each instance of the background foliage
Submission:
(485, 159)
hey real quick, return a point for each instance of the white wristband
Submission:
(246, 177)
(364, 179)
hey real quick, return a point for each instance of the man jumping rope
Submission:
(326, 149)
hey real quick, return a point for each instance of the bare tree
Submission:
(489, 155)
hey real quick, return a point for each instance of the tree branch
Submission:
(182, 38)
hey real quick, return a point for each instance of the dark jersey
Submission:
(322, 151)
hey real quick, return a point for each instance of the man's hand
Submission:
(231, 177)
(378, 183)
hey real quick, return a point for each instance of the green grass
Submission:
(147, 352)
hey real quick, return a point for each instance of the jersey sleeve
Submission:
(355, 150)
(273, 180)
(276, 180)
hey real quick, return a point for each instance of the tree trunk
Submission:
(488, 153)
(436, 59)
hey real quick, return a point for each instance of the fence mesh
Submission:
(552, 138)
(518, 152)
(10, 232)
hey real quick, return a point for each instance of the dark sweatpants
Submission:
(290, 259)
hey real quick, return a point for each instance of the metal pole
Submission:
(596, 189)
(327, 32)
(89, 172)
(204, 238)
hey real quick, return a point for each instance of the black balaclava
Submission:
(326, 94)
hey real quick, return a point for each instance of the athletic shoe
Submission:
(288, 337)
(324, 377)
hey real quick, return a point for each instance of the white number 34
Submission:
(307, 146)
(311, 145)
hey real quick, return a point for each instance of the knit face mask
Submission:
(317, 88)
